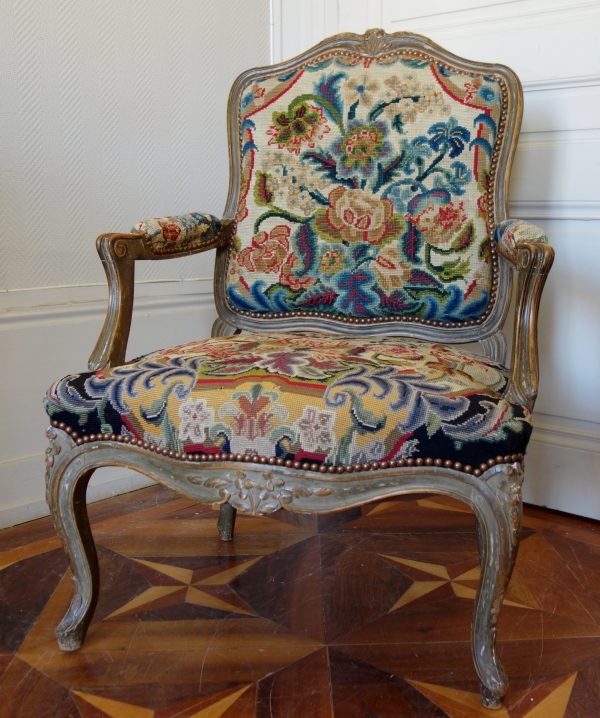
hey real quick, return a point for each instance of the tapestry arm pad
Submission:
(511, 232)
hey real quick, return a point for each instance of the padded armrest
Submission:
(166, 235)
(512, 231)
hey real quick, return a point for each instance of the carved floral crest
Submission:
(374, 43)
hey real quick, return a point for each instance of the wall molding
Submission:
(548, 139)
(561, 83)
(22, 297)
(89, 311)
(562, 436)
(579, 210)
(460, 23)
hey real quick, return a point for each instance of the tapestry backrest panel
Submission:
(366, 192)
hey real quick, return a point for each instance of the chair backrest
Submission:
(367, 177)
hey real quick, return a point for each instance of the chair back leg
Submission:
(226, 522)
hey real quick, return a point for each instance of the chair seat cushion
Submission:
(313, 398)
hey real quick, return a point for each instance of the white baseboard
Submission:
(105, 483)
(563, 466)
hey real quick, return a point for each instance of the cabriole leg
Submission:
(226, 522)
(494, 578)
(66, 493)
(498, 525)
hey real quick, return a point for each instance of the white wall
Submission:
(553, 47)
(112, 111)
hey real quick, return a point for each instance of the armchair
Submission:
(365, 231)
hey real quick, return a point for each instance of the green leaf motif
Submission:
(414, 63)
(418, 293)
(451, 271)
(324, 229)
(388, 173)
(397, 124)
(465, 238)
(433, 424)
(396, 227)
(262, 196)
(277, 212)
(377, 110)
(285, 292)
(485, 250)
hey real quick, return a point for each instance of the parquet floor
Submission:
(364, 614)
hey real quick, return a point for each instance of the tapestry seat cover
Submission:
(315, 398)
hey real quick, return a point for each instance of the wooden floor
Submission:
(361, 614)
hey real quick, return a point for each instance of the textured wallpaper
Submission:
(113, 111)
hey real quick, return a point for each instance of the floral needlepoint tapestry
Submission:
(365, 191)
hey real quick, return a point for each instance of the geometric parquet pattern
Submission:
(361, 614)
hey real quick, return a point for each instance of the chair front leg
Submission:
(66, 486)
(498, 529)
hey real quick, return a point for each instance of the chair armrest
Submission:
(512, 231)
(165, 238)
(172, 235)
(533, 261)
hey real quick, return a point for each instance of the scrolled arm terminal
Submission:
(162, 238)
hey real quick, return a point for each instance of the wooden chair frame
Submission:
(258, 487)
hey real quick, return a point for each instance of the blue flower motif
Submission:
(456, 182)
(401, 193)
(488, 95)
(448, 136)
(355, 288)
(414, 153)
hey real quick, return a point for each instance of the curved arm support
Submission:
(118, 253)
(534, 261)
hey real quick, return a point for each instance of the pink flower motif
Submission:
(289, 279)
(471, 90)
(267, 251)
(359, 216)
(258, 91)
(315, 427)
(170, 231)
(440, 223)
(196, 416)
